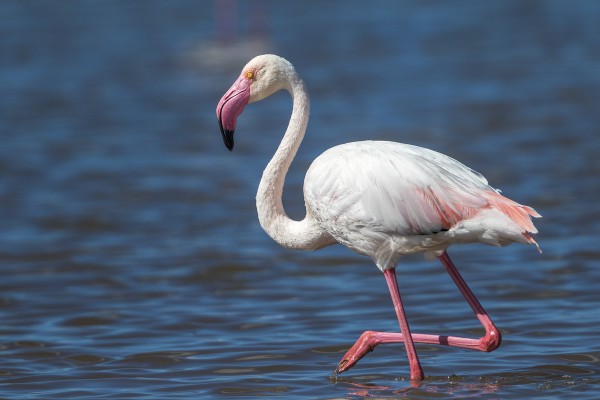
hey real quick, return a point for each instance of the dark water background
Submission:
(132, 262)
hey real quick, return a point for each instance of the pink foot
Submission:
(365, 344)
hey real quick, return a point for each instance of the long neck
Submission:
(305, 234)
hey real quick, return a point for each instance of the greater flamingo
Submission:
(380, 199)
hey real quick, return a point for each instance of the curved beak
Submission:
(231, 106)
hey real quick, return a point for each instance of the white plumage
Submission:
(386, 199)
(380, 199)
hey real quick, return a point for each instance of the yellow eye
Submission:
(250, 74)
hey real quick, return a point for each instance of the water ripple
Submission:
(133, 264)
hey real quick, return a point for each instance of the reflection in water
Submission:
(430, 387)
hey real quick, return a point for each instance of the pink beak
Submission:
(231, 106)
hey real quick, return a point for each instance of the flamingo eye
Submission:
(250, 74)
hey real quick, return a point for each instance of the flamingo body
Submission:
(380, 199)
(387, 199)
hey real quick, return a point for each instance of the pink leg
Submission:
(416, 372)
(361, 347)
(369, 339)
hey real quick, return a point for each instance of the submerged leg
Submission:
(369, 339)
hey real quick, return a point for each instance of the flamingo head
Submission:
(260, 78)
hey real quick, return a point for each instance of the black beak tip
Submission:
(227, 136)
(229, 140)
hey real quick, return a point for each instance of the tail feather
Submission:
(519, 214)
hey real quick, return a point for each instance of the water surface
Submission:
(133, 264)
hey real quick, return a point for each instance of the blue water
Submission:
(132, 262)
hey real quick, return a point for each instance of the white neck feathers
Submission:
(305, 234)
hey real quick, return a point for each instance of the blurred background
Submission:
(132, 261)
